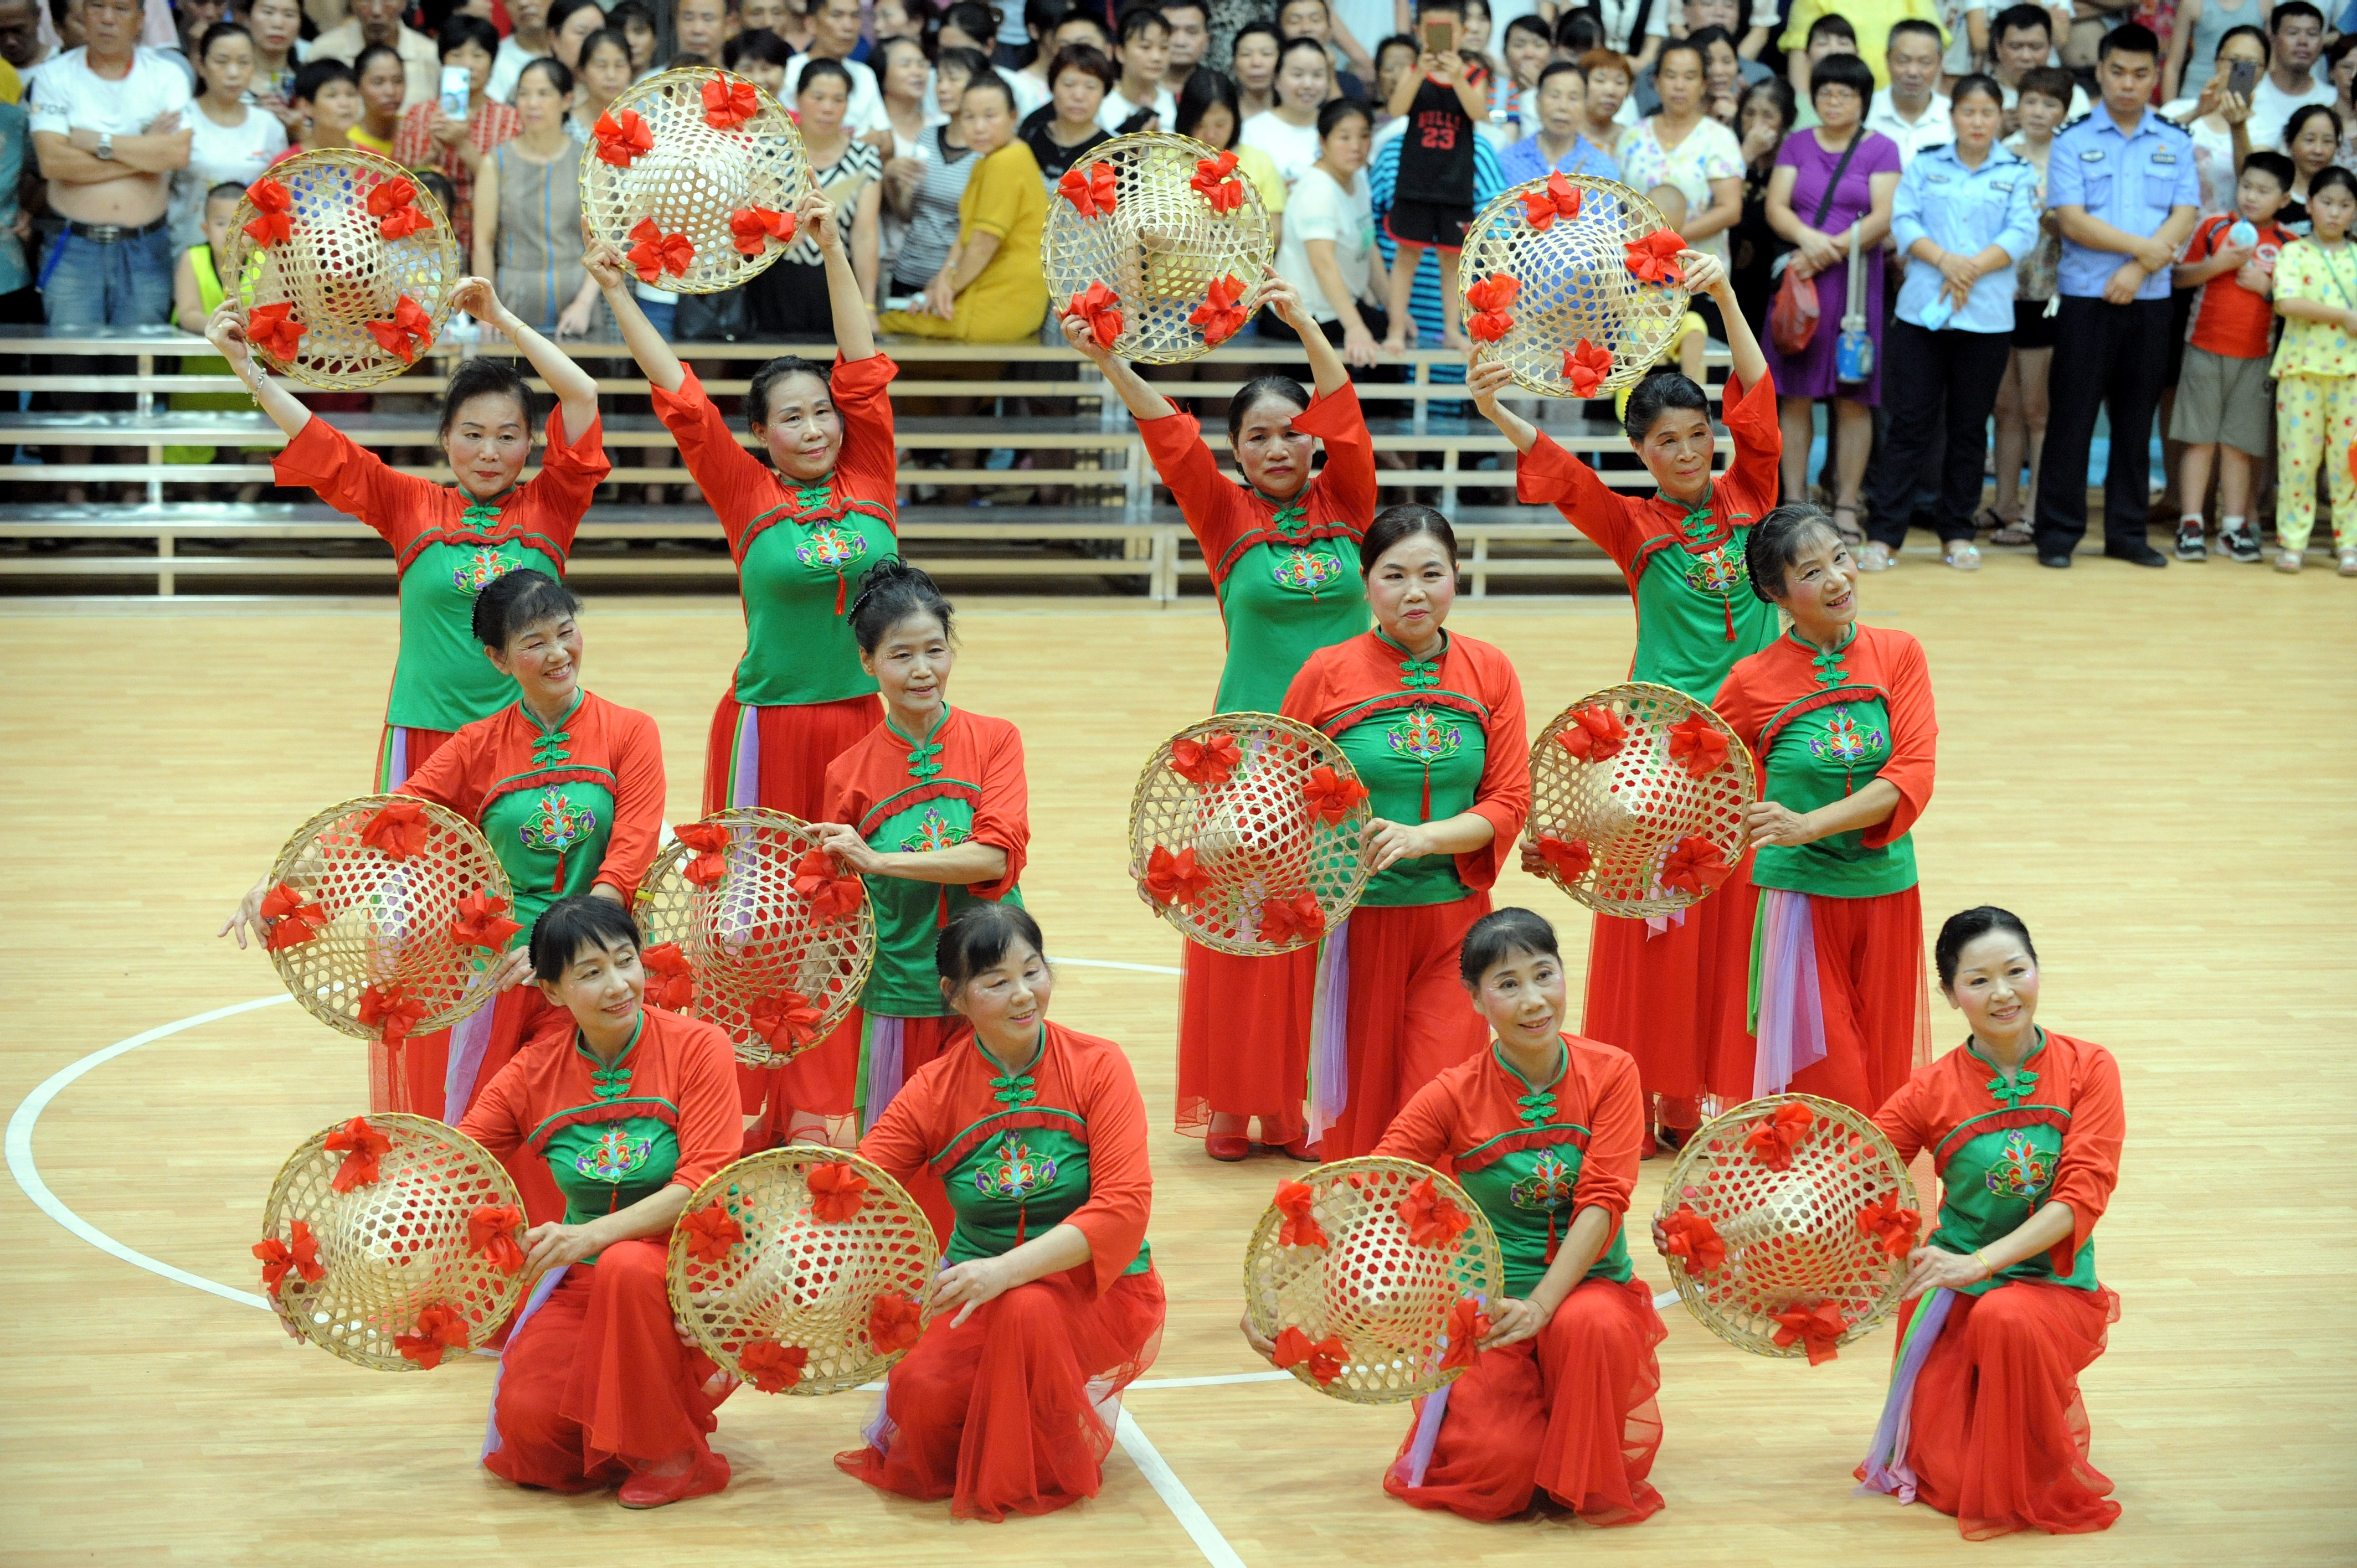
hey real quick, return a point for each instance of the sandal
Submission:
(2014, 535)
(1964, 555)
(1986, 520)
(1874, 556)
(1851, 533)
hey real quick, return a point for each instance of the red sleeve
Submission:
(1615, 1136)
(1504, 796)
(1216, 512)
(1548, 475)
(448, 778)
(499, 1118)
(739, 486)
(1121, 1188)
(570, 473)
(1423, 1130)
(1753, 476)
(358, 483)
(711, 1130)
(638, 801)
(1305, 698)
(1003, 817)
(1914, 741)
(868, 463)
(2089, 1166)
(901, 1141)
(1909, 1119)
(1735, 703)
(838, 804)
(1349, 476)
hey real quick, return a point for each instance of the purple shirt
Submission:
(1877, 155)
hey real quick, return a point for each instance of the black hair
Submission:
(1204, 88)
(625, 11)
(972, 18)
(491, 376)
(1555, 68)
(559, 74)
(2333, 179)
(2299, 117)
(1086, 59)
(1292, 46)
(979, 937)
(1094, 24)
(1498, 934)
(570, 927)
(2015, 18)
(599, 39)
(1578, 32)
(230, 190)
(1982, 83)
(818, 68)
(1703, 37)
(2289, 9)
(889, 593)
(517, 599)
(564, 11)
(1334, 110)
(221, 30)
(1534, 25)
(2049, 82)
(2278, 166)
(2266, 44)
(992, 80)
(1831, 26)
(1396, 41)
(1044, 15)
(762, 43)
(1405, 520)
(1775, 545)
(1254, 390)
(463, 27)
(882, 64)
(319, 75)
(1283, 6)
(1663, 389)
(756, 390)
(1248, 30)
(1426, 7)
(1137, 18)
(1843, 71)
(974, 62)
(1202, 6)
(435, 180)
(361, 61)
(1680, 46)
(1779, 92)
(2135, 38)
(1915, 25)
(1966, 927)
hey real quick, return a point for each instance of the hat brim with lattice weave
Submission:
(1793, 1235)
(337, 272)
(1160, 248)
(775, 972)
(394, 1246)
(1575, 284)
(763, 1266)
(1387, 1298)
(1633, 802)
(1256, 833)
(696, 177)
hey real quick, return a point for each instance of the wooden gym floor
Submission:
(2149, 768)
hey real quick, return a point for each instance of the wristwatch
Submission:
(106, 146)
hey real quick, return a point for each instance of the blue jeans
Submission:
(128, 284)
(662, 317)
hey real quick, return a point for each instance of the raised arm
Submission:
(1136, 394)
(576, 393)
(225, 331)
(1328, 374)
(854, 333)
(638, 334)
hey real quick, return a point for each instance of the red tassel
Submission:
(1427, 791)
(1550, 1247)
(557, 886)
(1022, 1217)
(1728, 605)
(942, 912)
(839, 586)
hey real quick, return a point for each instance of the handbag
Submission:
(1792, 320)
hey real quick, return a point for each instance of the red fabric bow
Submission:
(1584, 365)
(673, 981)
(1654, 258)
(409, 324)
(1325, 1359)
(832, 894)
(1895, 1228)
(1489, 299)
(274, 330)
(1820, 1327)
(710, 1231)
(622, 139)
(1468, 1327)
(1100, 307)
(293, 921)
(1330, 795)
(1090, 191)
(837, 1192)
(1287, 920)
(769, 1366)
(1214, 178)
(362, 1146)
(491, 1236)
(787, 1021)
(1219, 315)
(1206, 763)
(390, 1012)
(439, 1330)
(1695, 865)
(1693, 1237)
(393, 204)
(1432, 1220)
(1699, 743)
(1175, 878)
(1773, 1141)
(894, 1324)
(1560, 199)
(708, 839)
(1293, 1200)
(482, 922)
(752, 228)
(1593, 733)
(398, 830)
(298, 1253)
(1568, 859)
(271, 200)
(729, 104)
(657, 253)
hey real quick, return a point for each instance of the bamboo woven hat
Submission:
(345, 265)
(802, 1270)
(751, 925)
(1157, 240)
(1637, 797)
(1243, 833)
(393, 1241)
(1789, 1219)
(1574, 283)
(1370, 1274)
(693, 174)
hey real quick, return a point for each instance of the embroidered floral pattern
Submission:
(934, 831)
(1720, 572)
(557, 824)
(481, 569)
(1014, 1173)
(1305, 569)
(1548, 1186)
(1845, 742)
(2021, 1170)
(830, 549)
(614, 1156)
(1423, 737)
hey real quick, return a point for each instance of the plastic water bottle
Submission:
(2241, 235)
(1937, 314)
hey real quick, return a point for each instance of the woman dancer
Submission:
(1049, 1305)
(596, 1386)
(1434, 725)
(1282, 549)
(1840, 718)
(1653, 987)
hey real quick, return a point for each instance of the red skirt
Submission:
(596, 1385)
(1570, 1410)
(1243, 1039)
(401, 752)
(1409, 1019)
(413, 1076)
(1664, 997)
(1998, 1436)
(1000, 1415)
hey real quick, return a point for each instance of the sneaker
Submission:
(2349, 563)
(2188, 542)
(2241, 544)
(2288, 561)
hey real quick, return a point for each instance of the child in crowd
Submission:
(196, 292)
(327, 96)
(2221, 392)
(1139, 102)
(383, 81)
(1445, 97)
(1829, 34)
(2040, 102)
(2316, 372)
(1395, 58)
(1529, 46)
(761, 56)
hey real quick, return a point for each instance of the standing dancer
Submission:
(1840, 718)
(801, 528)
(1434, 725)
(1653, 987)
(447, 541)
(1282, 549)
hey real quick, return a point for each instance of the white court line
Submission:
(1174, 1493)
(1108, 963)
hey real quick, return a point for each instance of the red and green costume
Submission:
(447, 547)
(1663, 989)
(594, 1382)
(1430, 738)
(1570, 1410)
(1008, 1412)
(1287, 574)
(1838, 1005)
(1984, 1419)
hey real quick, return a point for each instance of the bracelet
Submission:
(1988, 1269)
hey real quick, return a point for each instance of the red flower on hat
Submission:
(1593, 733)
(1771, 1142)
(274, 330)
(362, 1146)
(439, 1329)
(711, 1231)
(390, 1012)
(622, 138)
(298, 1254)
(1695, 865)
(1699, 743)
(1174, 878)
(1214, 178)
(1432, 1220)
(750, 229)
(769, 1366)
(1293, 1200)
(656, 253)
(1330, 795)
(1897, 1228)
(1219, 315)
(293, 920)
(1325, 1360)
(673, 981)
(709, 839)
(1100, 309)
(1090, 191)
(393, 204)
(1206, 762)
(1468, 1327)
(1287, 920)
(787, 1021)
(1569, 860)
(832, 895)
(729, 104)
(271, 202)
(1654, 258)
(1559, 199)
(1489, 299)
(894, 1324)
(482, 922)
(410, 325)
(398, 829)
(1819, 1327)
(837, 1191)
(491, 1236)
(1693, 1237)
(1584, 365)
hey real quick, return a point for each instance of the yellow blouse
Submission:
(1004, 197)
(1266, 183)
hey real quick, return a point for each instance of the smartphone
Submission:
(1439, 37)
(456, 83)
(2240, 77)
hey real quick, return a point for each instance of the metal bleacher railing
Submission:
(1112, 527)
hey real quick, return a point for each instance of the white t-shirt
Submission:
(1116, 108)
(2271, 106)
(1029, 92)
(507, 67)
(1619, 19)
(1319, 208)
(68, 95)
(219, 154)
(1934, 128)
(866, 111)
(1292, 148)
